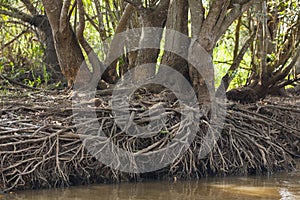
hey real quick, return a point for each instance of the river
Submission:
(284, 186)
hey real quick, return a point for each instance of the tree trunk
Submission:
(50, 58)
(202, 75)
(221, 15)
(68, 51)
(150, 18)
(178, 21)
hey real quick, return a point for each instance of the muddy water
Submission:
(279, 186)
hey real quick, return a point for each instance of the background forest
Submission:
(258, 47)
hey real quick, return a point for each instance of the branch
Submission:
(197, 16)
(102, 32)
(17, 83)
(234, 13)
(230, 73)
(124, 19)
(64, 15)
(237, 37)
(30, 7)
(287, 82)
(213, 16)
(136, 3)
(35, 20)
(81, 26)
(16, 38)
(92, 56)
(120, 28)
(286, 70)
(286, 51)
(16, 13)
(231, 17)
(222, 16)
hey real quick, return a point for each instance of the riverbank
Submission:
(40, 146)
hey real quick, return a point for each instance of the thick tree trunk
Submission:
(202, 44)
(202, 75)
(178, 21)
(147, 56)
(68, 51)
(176, 47)
(50, 58)
(150, 18)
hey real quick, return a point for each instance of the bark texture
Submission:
(50, 57)
(68, 51)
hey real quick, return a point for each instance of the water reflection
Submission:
(280, 186)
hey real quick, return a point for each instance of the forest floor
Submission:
(41, 145)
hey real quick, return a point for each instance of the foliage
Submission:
(23, 45)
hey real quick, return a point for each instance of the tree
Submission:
(34, 18)
(274, 49)
(207, 30)
(73, 21)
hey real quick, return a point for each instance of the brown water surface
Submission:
(285, 186)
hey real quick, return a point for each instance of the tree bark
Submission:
(68, 51)
(150, 18)
(177, 21)
(50, 58)
(221, 15)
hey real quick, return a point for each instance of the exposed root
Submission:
(41, 146)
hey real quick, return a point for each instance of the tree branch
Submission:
(231, 17)
(213, 15)
(281, 75)
(117, 45)
(92, 56)
(16, 13)
(30, 7)
(64, 15)
(101, 28)
(124, 19)
(16, 38)
(234, 13)
(80, 28)
(136, 3)
(226, 80)
(120, 28)
(222, 16)
(237, 37)
(197, 16)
